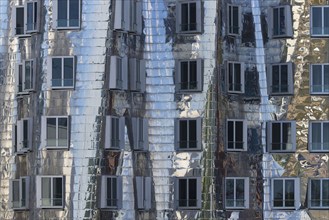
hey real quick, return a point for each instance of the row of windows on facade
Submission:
(281, 135)
(285, 192)
(67, 15)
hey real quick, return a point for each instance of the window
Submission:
(111, 194)
(319, 79)
(128, 16)
(237, 192)
(118, 73)
(319, 193)
(319, 136)
(62, 72)
(188, 15)
(136, 18)
(281, 79)
(26, 18)
(320, 21)
(280, 21)
(188, 192)
(235, 77)
(50, 191)
(24, 135)
(140, 133)
(115, 132)
(236, 135)
(143, 188)
(233, 19)
(66, 14)
(137, 75)
(19, 193)
(56, 133)
(189, 75)
(188, 134)
(281, 136)
(26, 76)
(285, 193)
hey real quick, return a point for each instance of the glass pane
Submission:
(62, 132)
(315, 193)
(23, 200)
(286, 136)
(28, 75)
(15, 194)
(111, 192)
(316, 20)
(284, 78)
(275, 78)
(30, 16)
(326, 78)
(192, 134)
(68, 71)
(184, 14)
(316, 136)
(45, 191)
(51, 132)
(74, 13)
(192, 193)
(240, 191)
(56, 72)
(290, 193)
(316, 78)
(325, 193)
(20, 78)
(235, 19)
(115, 138)
(276, 136)
(237, 77)
(183, 141)
(193, 75)
(326, 21)
(282, 21)
(230, 76)
(184, 75)
(58, 191)
(192, 16)
(239, 135)
(62, 13)
(25, 133)
(326, 136)
(19, 20)
(35, 20)
(230, 135)
(276, 21)
(119, 73)
(182, 200)
(278, 193)
(229, 193)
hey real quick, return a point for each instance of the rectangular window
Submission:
(318, 193)
(135, 16)
(237, 192)
(319, 136)
(123, 16)
(236, 135)
(66, 14)
(233, 19)
(320, 21)
(281, 79)
(111, 193)
(285, 193)
(319, 79)
(281, 136)
(235, 77)
(19, 193)
(118, 73)
(189, 75)
(188, 193)
(26, 76)
(62, 72)
(115, 132)
(137, 75)
(50, 191)
(24, 135)
(280, 21)
(188, 134)
(57, 131)
(143, 188)
(188, 15)
(26, 18)
(140, 133)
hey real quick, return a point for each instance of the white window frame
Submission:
(199, 76)
(52, 196)
(231, 73)
(296, 194)
(289, 148)
(21, 76)
(197, 191)
(55, 16)
(321, 206)
(26, 31)
(290, 79)
(324, 87)
(198, 123)
(246, 193)
(50, 75)
(44, 132)
(244, 124)
(143, 189)
(119, 133)
(198, 13)
(323, 135)
(18, 205)
(118, 68)
(104, 192)
(323, 7)
(230, 15)
(137, 75)
(288, 33)
(140, 133)
(21, 146)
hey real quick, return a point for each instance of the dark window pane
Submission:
(183, 134)
(115, 139)
(230, 77)
(276, 136)
(290, 193)
(326, 136)
(23, 193)
(317, 78)
(237, 77)
(326, 21)
(315, 193)
(230, 192)
(316, 20)
(25, 134)
(325, 193)
(326, 78)
(230, 135)
(62, 13)
(15, 194)
(286, 136)
(51, 132)
(57, 72)
(182, 200)
(19, 20)
(240, 191)
(58, 191)
(62, 132)
(282, 28)
(184, 14)
(193, 75)
(275, 78)
(30, 16)
(184, 75)
(111, 192)
(20, 78)
(284, 78)
(235, 18)
(192, 16)
(192, 192)
(316, 136)
(68, 71)
(275, 21)
(74, 13)
(278, 193)
(28, 75)
(192, 134)
(239, 135)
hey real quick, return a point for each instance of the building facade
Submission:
(166, 109)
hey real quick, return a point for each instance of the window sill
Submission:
(189, 91)
(22, 35)
(236, 208)
(281, 152)
(235, 150)
(281, 36)
(188, 208)
(189, 32)
(63, 88)
(67, 28)
(319, 208)
(180, 150)
(319, 93)
(281, 94)
(51, 207)
(56, 148)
